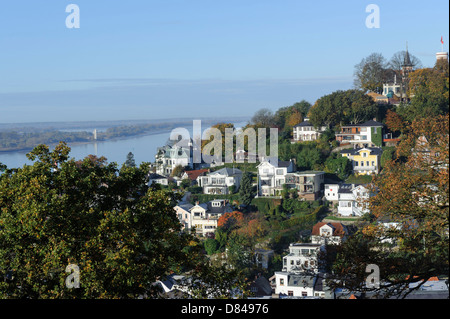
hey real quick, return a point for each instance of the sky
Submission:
(157, 59)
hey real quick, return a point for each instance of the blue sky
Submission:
(152, 59)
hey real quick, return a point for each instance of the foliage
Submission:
(130, 162)
(246, 193)
(351, 106)
(430, 91)
(339, 165)
(122, 234)
(370, 72)
(412, 191)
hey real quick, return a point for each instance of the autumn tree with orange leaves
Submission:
(409, 237)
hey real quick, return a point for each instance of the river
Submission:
(143, 147)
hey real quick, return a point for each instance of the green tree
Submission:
(339, 165)
(130, 162)
(351, 106)
(246, 193)
(369, 73)
(121, 234)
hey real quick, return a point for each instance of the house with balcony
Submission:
(365, 161)
(353, 200)
(272, 176)
(302, 257)
(367, 134)
(220, 181)
(203, 217)
(305, 131)
(307, 183)
(172, 155)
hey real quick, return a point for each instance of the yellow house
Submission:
(365, 161)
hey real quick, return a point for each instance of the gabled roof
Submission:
(192, 175)
(338, 229)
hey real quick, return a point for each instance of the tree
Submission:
(263, 118)
(246, 193)
(370, 72)
(413, 192)
(122, 234)
(429, 89)
(130, 160)
(351, 106)
(177, 171)
(339, 165)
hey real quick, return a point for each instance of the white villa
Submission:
(353, 200)
(305, 131)
(272, 176)
(218, 182)
(173, 154)
(328, 233)
(302, 257)
(203, 216)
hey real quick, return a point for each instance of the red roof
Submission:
(338, 229)
(192, 175)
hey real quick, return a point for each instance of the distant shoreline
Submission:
(171, 126)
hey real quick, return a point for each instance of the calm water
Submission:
(143, 147)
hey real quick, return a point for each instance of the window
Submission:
(367, 163)
(373, 163)
(281, 282)
(364, 154)
(304, 294)
(362, 163)
(290, 293)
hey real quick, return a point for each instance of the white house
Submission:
(203, 216)
(183, 212)
(328, 233)
(272, 176)
(157, 179)
(295, 285)
(172, 155)
(305, 131)
(218, 182)
(302, 257)
(353, 200)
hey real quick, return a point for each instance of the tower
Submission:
(407, 66)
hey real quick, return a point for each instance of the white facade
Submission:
(218, 182)
(302, 257)
(170, 156)
(271, 177)
(203, 217)
(353, 200)
(294, 285)
(305, 131)
(331, 192)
